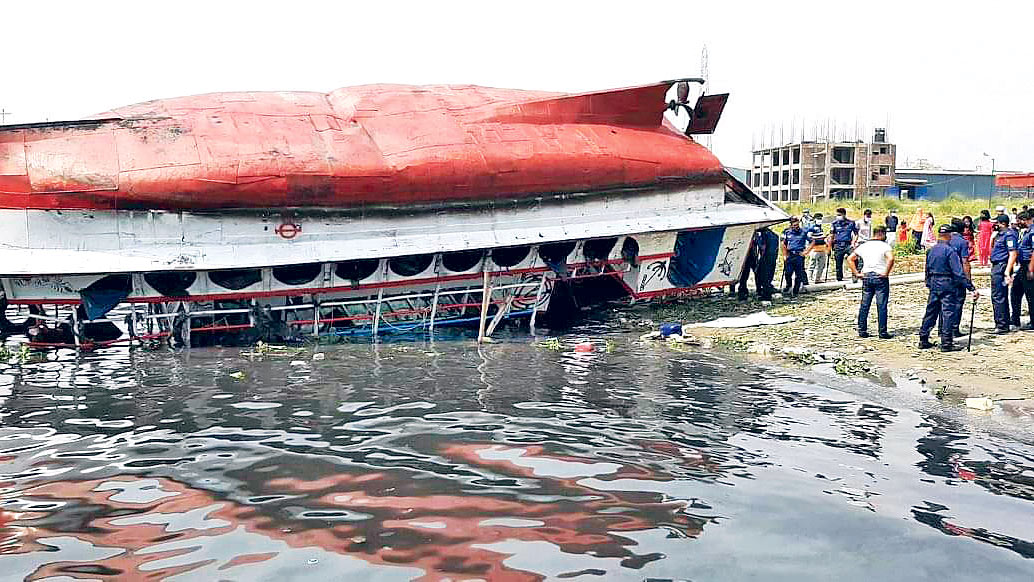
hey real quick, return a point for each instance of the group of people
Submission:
(1006, 243)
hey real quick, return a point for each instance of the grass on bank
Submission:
(943, 211)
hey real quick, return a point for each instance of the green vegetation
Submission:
(908, 248)
(950, 207)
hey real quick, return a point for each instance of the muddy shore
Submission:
(823, 335)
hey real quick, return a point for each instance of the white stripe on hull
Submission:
(49, 242)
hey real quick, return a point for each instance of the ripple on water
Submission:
(508, 461)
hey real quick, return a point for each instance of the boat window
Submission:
(357, 270)
(297, 274)
(509, 256)
(235, 279)
(410, 265)
(556, 253)
(459, 261)
(171, 283)
(599, 249)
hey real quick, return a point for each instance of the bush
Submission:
(908, 248)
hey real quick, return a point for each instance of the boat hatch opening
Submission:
(509, 256)
(460, 261)
(556, 253)
(696, 253)
(171, 283)
(630, 251)
(104, 294)
(297, 274)
(410, 265)
(599, 249)
(357, 270)
(235, 279)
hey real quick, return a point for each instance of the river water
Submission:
(511, 461)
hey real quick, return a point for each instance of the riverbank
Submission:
(823, 333)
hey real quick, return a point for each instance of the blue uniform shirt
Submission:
(1004, 243)
(944, 269)
(843, 231)
(1026, 246)
(796, 240)
(960, 245)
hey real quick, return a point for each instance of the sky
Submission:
(951, 81)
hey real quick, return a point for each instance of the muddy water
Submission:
(443, 461)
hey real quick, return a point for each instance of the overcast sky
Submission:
(954, 79)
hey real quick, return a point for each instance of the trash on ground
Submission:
(980, 403)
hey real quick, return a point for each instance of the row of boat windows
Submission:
(176, 283)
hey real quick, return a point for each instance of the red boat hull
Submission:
(377, 145)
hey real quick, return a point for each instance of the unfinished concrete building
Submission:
(809, 171)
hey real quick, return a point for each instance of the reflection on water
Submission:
(446, 461)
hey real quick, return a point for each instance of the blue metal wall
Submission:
(941, 186)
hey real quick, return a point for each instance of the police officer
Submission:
(961, 246)
(796, 245)
(1003, 258)
(845, 232)
(1022, 285)
(944, 275)
(767, 243)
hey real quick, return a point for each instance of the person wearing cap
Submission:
(806, 220)
(891, 222)
(818, 259)
(877, 258)
(1003, 258)
(795, 246)
(1023, 282)
(845, 233)
(961, 246)
(944, 275)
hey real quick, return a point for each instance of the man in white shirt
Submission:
(877, 259)
(865, 227)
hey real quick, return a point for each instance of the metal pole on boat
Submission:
(486, 295)
(315, 317)
(535, 305)
(377, 313)
(434, 309)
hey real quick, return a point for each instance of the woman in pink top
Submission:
(929, 239)
(984, 237)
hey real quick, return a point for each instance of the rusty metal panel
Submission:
(706, 113)
(72, 160)
(14, 174)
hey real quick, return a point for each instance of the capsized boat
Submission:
(366, 210)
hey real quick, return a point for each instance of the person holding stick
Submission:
(944, 275)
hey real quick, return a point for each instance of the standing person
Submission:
(819, 257)
(750, 265)
(891, 222)
(1022, 287)
(845, 233)
(984, 228)
(999, 211)
(917, 226)
(903, 233)
(943, 276)
(865, 227)
(767, 243)
(878, 260)
(929, 232)
(968, 234)
(806, 220)
(1003, 257)
(1012, 215)
(795, 246)
(961, 247)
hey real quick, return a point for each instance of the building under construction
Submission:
(809, 171)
